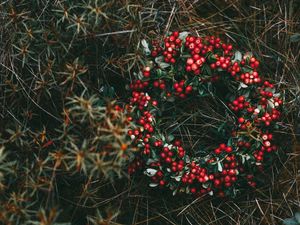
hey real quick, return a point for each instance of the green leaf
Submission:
(146, 47)
(297, 217)
(206, 70)
(160, 61)
(171, 137)
(221, 127)
(183, 35)
(271, 104)
(108, 91)
(201, 91)
(246, 69)
(237, 56)
(175, 191)
(220, 168)
(257, 144)
(153, 184)
(205, 185)
(211, 57)
(242, 85)
(150, 172)
(159, 72)
(295, 37)
(229, 142)
(163, 65)
(243, 159)
(290, 221)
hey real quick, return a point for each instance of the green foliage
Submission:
(293, 221)
(61, 63)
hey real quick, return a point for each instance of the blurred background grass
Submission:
(61, 61)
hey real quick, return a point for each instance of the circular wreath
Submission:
(182, 66)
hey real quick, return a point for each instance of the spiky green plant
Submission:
(58, 125)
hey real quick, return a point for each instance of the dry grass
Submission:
(264, 27)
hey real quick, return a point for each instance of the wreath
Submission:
(187, 66)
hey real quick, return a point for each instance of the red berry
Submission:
(162, 183)
(176, 34)
(168, 160)
(188, 89)
(228, 149)
(241, 120)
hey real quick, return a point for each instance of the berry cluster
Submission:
(156, 48)
(194, 62)
(267, 147)
(228, 176)
(250, 78)
(267, 118)
(223, 148)
(254, 63)
(222, 62)
(172, 47)
(138, 85)
(196, 175)
(181, 90)
(240, 104)
(159, 84)
(234, 69)
(146, 71)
